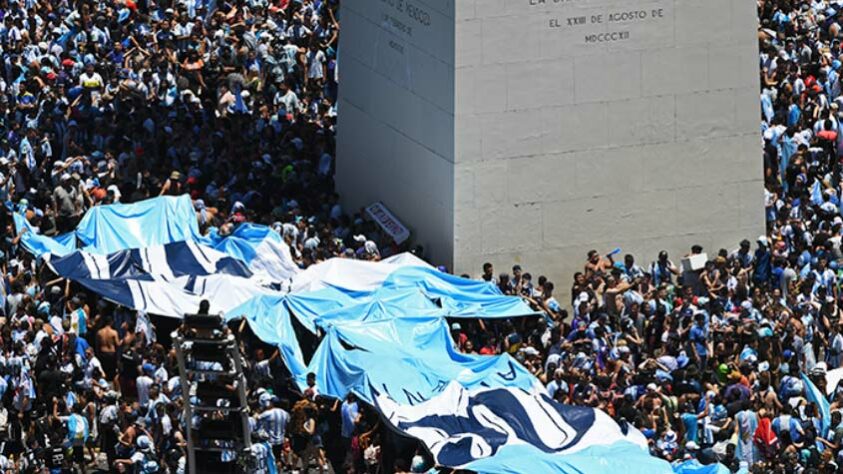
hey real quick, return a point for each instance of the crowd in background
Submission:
(728, 354)
(721, 354)
(102, 102)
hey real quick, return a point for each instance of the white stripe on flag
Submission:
(158, 264)
(101, 261)
(144, 260)
(89, 264)
(165, 300)
(208, 259)
(138, 298)
(97, 265)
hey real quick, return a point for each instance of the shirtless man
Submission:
(596, 264)
(107, 343)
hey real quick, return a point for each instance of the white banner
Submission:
(388, 222)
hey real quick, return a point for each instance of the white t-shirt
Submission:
(290, 101)
(93, 367)
(166, 425)
(143, 384)
(315, 60)
(90, 81)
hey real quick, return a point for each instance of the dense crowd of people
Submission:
(730, 361)
(234, 103)
(110, 102)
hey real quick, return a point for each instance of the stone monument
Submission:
(530, 131)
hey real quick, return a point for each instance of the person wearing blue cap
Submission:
(273, 421)
(143, 382)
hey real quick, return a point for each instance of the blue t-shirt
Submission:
(689, 420)
(349, 415)
(81, 346)
(698, 338)
(790, 425)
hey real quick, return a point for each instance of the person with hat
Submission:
(459, 337)
(272, 421)
(557, 388)
(144, 459)
(144, 382)
(65, 198)
(173, 185)
(79, 321)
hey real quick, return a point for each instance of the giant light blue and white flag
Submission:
(386, 335)
(166, 261)
(510, 430)
(160, 221)
(167, 280)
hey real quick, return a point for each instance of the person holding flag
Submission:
(77, 432)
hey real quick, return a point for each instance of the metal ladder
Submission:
(206, 357)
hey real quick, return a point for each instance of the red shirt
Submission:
(487, 350)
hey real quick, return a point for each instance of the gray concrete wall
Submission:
(396, 114)
(565, 142)
(530, 131)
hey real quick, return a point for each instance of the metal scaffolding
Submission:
(214, 393)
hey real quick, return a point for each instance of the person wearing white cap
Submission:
(143, 459)
(273, 421)
(371, 249)
(65, 196)
(557, 388)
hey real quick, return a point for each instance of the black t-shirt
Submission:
(129, 365)
(51, 382)
(685, 387)
(164, 36)
(34, 460)
(55, 457)
(582, 391)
